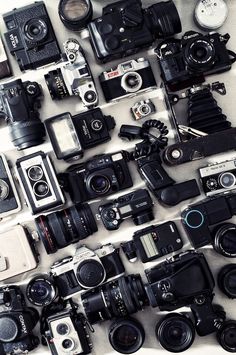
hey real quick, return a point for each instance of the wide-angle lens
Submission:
(41, 291)
(225, 240)
(75, 14)
(199, 54)
(36, 30)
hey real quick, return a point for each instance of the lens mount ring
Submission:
(84, 220)
(131, 82)
(4, 190)
(75, 14)
(35, 30)
(225, 239)
(199, 54)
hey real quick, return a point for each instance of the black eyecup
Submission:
(226, 336)
(76, 24)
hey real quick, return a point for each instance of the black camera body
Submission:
(137, 204)
(87, 269)
(101, 176)
(186, 62)
(125, 28)
(30, 37)
(19, 104)
(68, 330)
(17, 322)
(71, 135)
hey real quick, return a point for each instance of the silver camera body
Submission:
(77, 74)
(143, 109)
(219, 178)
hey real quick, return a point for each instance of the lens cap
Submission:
(225, 239)
(210, 14)
(75, 14)
(226, 336)
(227, 280)
(126, 336)
(90, 273)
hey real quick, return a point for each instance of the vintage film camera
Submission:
(39, 182)
(71, 135)
(125, 28)
(186, 62)
(30, 37)
(18, 254)
(218, 178)
(153, 242)
(137, 204)
(101, 176)
(87, 269)
(68, 333)
(143, 109)
(17, 322)
(9, 199)
(128, 79)
(74, 78)
(5, 68)
(19, 104)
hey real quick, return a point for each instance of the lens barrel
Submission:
(62, 228)
(75, 14)
(227, 280)
(225, 239)
(41, 291)
(226, 336)
(56, 84)
(27, 134)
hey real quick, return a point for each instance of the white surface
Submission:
(122, 115)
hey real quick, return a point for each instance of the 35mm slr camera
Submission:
(87, 269)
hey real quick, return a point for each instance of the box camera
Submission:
(30, 37)
(137, 204)
(39, 182)
(125, 28)
(18, 254)
(87, 269)
(185, 280)
(71, 135)
(185, 62)
(74, 78)
(143, 109)
(128, 79)
(101, 176)
(68, 333)
(219, 177)
(9, 199)
(19, 104)
(153, 242)
(16, 322)
(5, 68)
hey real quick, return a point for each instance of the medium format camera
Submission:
(5, 69)
(16, 322)
(39, 182)
(30, 37)
(125, 28)
(219, 177)
(153, 242)
(71, 135)
(68, 333)
(9, 199)
(143, 109)
(101, 176)
(185, 62)
(128, 79)
(18, 254)
(137, 204)
(59, 229)
(19, 104)
(87, 269)
(185, 280)
(74, 78)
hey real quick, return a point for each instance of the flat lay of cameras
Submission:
(59, 308)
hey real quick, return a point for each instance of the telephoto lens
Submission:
(175, 332)
(118, 298)
(225, 240)
(75, 14)
(226, 336)
(41, 291)
(62, 228)
(227, 280)
(126, 336)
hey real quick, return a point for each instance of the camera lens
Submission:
(131, 82)
(36, 30)
(41, 188)
(8, 329)
(56, 84)
(126, 336)
(75, 14)
(90, 273)
(90, 96)
(117, 298)
(35, 173)
(68, 344)
(62, 228)
(227, 280)
(63, 329)
(227, 180)
(99, 184)
(4, 190)
(41, 291)
(199, 54)
(175, 332)
(163, 19)
(226, 336)
(225, 239)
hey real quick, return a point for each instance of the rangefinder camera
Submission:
(219, 178)
(39, 182)
(128, 79)
(87, 269)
